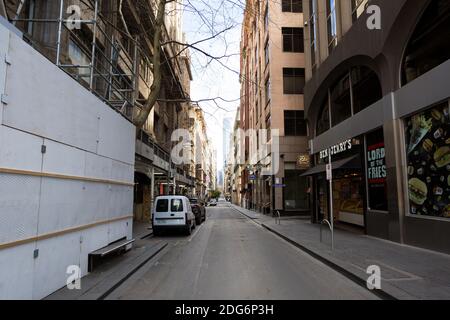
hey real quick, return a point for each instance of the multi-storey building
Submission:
(236, 167)
(67, 157)
(109, 52)
(202, 154)
(226, 134)
(272, 84)
(106, 47)
(376, 104)
(213, 174)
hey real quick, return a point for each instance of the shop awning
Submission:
(347, 163)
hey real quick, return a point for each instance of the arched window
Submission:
(323, 123)
(356, 90)
(366, 88)
(340, 100)
(429, 45)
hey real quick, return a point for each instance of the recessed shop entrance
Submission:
(348, 193)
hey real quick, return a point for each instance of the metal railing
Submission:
(278, 217)
(325, 221)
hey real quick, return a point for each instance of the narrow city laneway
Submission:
(231, 257)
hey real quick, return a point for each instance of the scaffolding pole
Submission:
(94, 45)
(60, 26)
(19, 11)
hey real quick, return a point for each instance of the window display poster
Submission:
(428, 154)
(376, 171)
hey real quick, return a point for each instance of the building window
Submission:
(331, 25)
(429, 46)
(291, 6)
(145, 70)
(268, 127)
(79, 58)
(267, 90)
(292, 39)
(266, 18)
(313, 32)
(323, 124)
(293, 80)
(295, 123)
(358, 8)
(340, 98)
(366, 88)
(267, 53)
(428, 156)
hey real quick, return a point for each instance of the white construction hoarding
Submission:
(66, 173)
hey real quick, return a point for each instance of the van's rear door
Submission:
(178, 210)
(169, 211)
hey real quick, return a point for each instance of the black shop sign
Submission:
(376, 171)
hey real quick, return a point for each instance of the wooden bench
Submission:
(100, 253)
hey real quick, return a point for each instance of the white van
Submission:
(172, 212)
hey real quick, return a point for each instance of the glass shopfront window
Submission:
(348, 183)
(428, 156)
(348, 196)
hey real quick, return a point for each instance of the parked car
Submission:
(198, 207)
(213, 203)
(173, 212)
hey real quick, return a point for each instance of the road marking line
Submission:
(195, 233)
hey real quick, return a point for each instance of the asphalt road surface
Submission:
(231, 257)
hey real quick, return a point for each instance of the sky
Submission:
(215, 78)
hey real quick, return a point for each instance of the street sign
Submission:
(329, 172)
(253, 177)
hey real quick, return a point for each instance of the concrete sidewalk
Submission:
(142, 230)
(407, 272)
(98, 284)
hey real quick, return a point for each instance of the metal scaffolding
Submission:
(112, 75)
